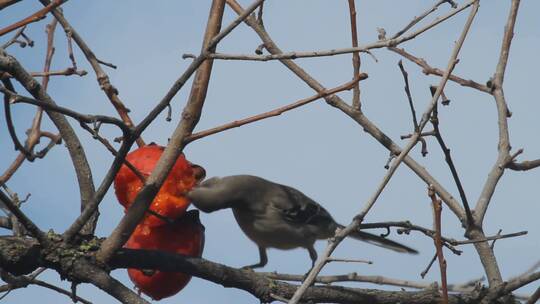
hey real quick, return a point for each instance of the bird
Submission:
(273, 215)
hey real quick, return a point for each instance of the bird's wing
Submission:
(298, 208)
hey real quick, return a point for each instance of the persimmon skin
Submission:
(170, 201)
(184, 236)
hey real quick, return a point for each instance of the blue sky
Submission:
(316, 149)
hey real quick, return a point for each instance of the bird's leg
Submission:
(313, 256)
(263, 259)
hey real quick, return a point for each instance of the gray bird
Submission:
(274, 215)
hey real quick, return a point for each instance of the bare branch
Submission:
(524, 165)
(437, 211)
(355, 56)
(14, 39)
(448, 158)
(503, 113)
(428, 70)
(32, 18)
(276, 112)
(521, 281)
(379, 280)
(6, 3)
(428, 267)
(24, 281)
(409, 97)
(263, 286)
(420, 18)
(83, 118)
(375, 45)
(23, 219)
(76, 151)
(103, 79)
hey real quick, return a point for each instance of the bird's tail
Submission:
(381, 241)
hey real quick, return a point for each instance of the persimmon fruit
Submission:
(170, 201)
(185, 236)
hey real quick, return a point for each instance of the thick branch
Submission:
(22, 256)
(263, 288)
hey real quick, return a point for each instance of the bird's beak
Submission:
(198, 172)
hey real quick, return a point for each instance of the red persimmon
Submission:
(170, 201)
(184, 236)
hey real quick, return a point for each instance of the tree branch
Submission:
(428, 70)
(503, 114)
(524, 166)
(74, 146)
(355, 56)
(6, 3)
(103, 79)
(32, 18)
(276, 112)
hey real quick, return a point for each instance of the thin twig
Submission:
(437, 211)
(83, 118)
(363, 48)
(428, 267)
(14, 39)
(24, 281)
(355, 56)
(490, 238)
(423, 134)
(103, 79)
(331, 259)
(448, 158)
(409, 97)
(32, 18)
(275, 112)
(419, 18)
(23, 219)
(428, 70)
(9, 121)
(65, 72)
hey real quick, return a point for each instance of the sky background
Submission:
(316, 149)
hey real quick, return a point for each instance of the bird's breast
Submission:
(271, 231)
